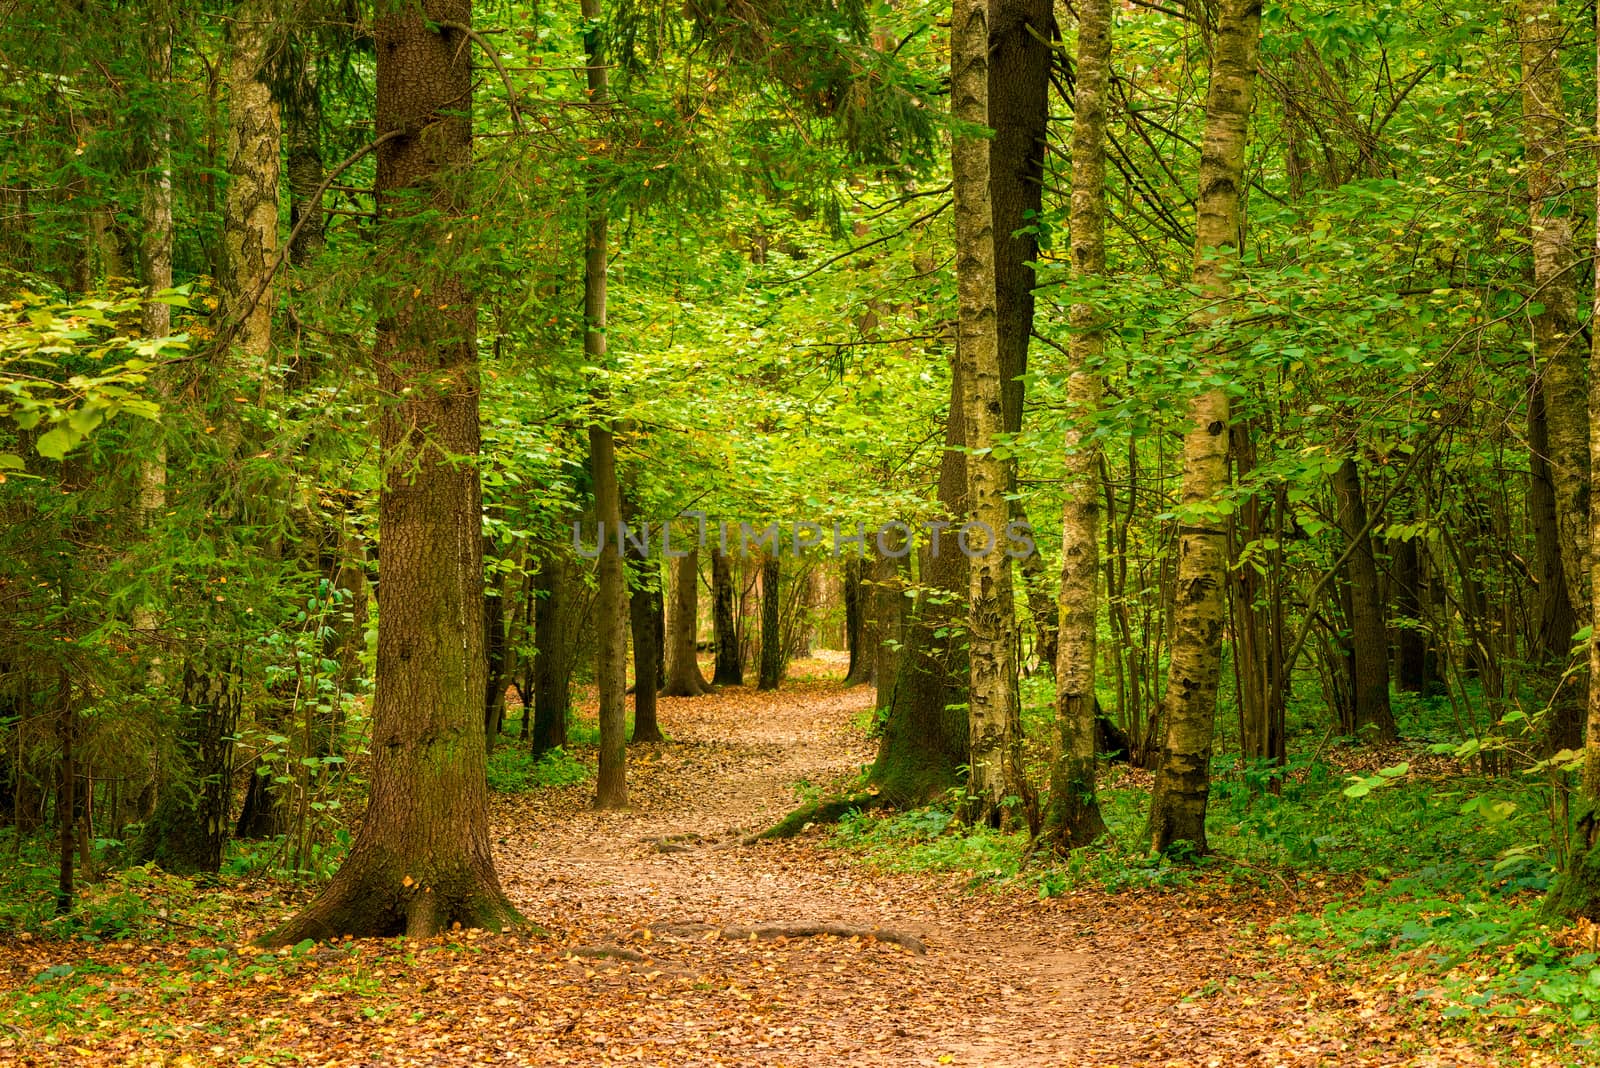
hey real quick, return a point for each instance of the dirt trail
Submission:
(1006, 980)
(634, 968)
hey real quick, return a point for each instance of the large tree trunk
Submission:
(1183, 781)
(993, 710)
(250, 245)
(771, 625)
(611, 666)
(421, 860)
(1369, 641)
(923, 746)
(610, 612)
(730, 665)
(1073, 816)
(683, 667)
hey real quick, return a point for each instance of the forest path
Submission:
(635, 965)
(1087, 979)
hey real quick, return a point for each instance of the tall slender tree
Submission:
(1072, 817)
(1183, 781)
(994, 775)
(1577, 891)
(1556, 337)
(1369, 641)
(611, 670)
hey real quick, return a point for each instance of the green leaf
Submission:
(57, 442)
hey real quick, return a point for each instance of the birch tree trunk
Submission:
(422, 860)
(156, 251)
(993, 710)
(1072, 817)
(1183, 780)
(250, 215)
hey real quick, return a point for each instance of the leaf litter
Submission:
(667, 938)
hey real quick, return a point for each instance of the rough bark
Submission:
(1183, 780)
(730, 664)
(156, 317)
(303, 122)
(771, 672)
(683, 664)
(1369, 641)
(421, 860)
(1072, 817)
(994, 775)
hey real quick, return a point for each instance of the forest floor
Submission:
(648, 953)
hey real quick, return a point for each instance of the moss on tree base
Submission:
(1577, 892)
(827, 810)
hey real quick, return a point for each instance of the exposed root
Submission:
(607, 952)
(832, 930)
(805, 929)
(828, 810)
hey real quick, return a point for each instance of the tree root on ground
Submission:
(828, 810)
(607, 952)
(767, 932)
(804, 929)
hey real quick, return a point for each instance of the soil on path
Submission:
(1007, 978)
(636, 966)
